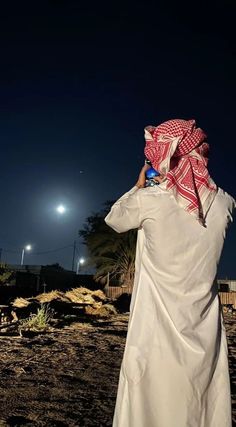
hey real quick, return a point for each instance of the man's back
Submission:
(176, 244)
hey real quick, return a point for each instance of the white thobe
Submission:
(174, 371)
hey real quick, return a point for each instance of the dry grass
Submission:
(20, 303)
(50, 296)
(93, 302)
(105, 310)
(80, 296)
(85, 296)
(99, 295)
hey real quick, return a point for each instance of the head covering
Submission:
(178, 149)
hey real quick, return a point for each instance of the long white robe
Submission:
(174, 371)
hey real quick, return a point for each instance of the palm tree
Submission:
(117, 258)
(109, 251)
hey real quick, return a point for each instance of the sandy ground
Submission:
(69, 377)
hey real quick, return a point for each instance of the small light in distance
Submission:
(61, 209)
(81, 261)
(28, 247)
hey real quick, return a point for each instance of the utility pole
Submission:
(73, 256)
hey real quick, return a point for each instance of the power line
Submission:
(74, 246)
(10, 251)
(52, 250)
(39, 253)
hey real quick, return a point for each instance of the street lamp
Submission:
(80, 262)
(26, 248)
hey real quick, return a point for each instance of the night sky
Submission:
(78, 83)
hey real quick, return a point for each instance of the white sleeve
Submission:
(125, 213)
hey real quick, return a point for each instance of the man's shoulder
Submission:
(227, 199)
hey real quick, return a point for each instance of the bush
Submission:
(122, 303)
(6, 275)
(38, 322)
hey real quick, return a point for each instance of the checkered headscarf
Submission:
(177, 149)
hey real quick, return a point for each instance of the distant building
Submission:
(41, 278)
(226, 285)
(30, 280)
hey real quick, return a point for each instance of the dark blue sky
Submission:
(77, 86)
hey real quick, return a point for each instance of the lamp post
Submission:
(80, 262)
(26, 248)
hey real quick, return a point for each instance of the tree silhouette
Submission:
(109, 252)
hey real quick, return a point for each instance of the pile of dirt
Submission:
(77, 301)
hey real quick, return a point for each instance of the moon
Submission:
(61, 209)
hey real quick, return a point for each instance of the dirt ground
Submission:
(69, 376)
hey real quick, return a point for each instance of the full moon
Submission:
(61, 209)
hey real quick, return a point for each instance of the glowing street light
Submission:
(61, 209)
(26, 248)
(80, 262)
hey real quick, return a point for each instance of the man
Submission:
(174, 371)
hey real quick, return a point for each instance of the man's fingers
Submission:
(159, 178)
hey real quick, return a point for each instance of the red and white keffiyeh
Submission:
(177, 149)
